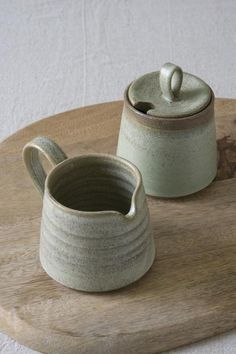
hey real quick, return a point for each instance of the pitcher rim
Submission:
(125, 165)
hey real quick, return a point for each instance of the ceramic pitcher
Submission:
(95, 229)
(168, 131)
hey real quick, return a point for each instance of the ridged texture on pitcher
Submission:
(100, 239)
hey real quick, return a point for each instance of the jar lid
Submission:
(169, 93)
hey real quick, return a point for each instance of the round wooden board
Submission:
(188, 294)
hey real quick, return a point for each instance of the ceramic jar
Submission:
(95, 228)
(168, 131)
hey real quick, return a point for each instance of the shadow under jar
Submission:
(95, 229)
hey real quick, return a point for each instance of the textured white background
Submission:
(56, 55)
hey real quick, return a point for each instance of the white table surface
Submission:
(56, 55)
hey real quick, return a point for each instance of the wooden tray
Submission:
(189, 293)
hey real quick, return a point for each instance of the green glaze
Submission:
(173, 163)
(95, 229)
(168, 131)
(169, 93)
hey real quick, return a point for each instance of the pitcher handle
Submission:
(32, 161)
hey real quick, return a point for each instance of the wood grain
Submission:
(189, 293)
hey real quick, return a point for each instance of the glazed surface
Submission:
(95, 228)
(173, 163)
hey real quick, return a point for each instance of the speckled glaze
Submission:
(95, 229)
(170, 92)
(176, 156)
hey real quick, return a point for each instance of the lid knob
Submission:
(171, 77)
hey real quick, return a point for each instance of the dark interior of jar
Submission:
(93, 184)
